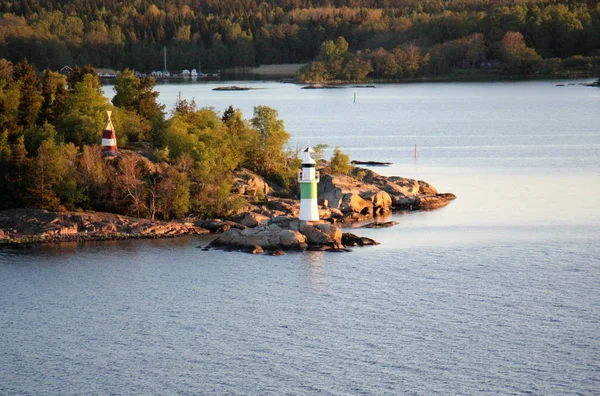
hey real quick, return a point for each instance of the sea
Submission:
(496, 293)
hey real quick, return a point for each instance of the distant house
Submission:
(66, 70)
(106, 72)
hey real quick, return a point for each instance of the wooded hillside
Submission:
(50, 154)
(220, 33)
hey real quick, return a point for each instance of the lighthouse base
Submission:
(309, 210)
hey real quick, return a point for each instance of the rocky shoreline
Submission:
(268, 223)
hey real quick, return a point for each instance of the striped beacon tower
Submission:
(308, 178)
(109, 138)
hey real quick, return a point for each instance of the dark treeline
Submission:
(220, 33)
(50, 155)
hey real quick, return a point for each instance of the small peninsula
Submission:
(76, 167)
(269, 223)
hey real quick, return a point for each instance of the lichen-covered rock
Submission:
(256, 249)
(264, 236)
(284, 205)
(380, 225)
(290, 239)
(353, 217)
(99, 227)
(347, 194)
(349, 239)
(321, 234)
(251, 219)
(31, 225)
(430, 202)
(352, 202)
(218, 225)
(250, 184)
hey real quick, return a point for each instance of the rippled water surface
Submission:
(496, 293)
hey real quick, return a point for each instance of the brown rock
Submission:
(291, 238)
(430, 202)
(198, 230)
(288, 206)
(349, 239)
(250, 184)
(67, 228)
(218, 226)
(353, 217)
(339, 250)
(251, 219)
(380, 225)
(256, 249)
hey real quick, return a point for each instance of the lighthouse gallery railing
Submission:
(301, 179)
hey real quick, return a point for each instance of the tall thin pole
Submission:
(415, 151)
(165, 51)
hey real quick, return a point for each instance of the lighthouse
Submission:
(308, 177)
(109, 138)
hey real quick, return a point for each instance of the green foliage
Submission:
(54, 95)
(131, 127)
(93, 177)
(335, 63)
(268, 156)
(37, 134)
(56, 162)
(10, 97)
(52, 177)
(226, 33)
(360, 175)
(5, 164)
(161, 154)
(85, 113)
(339, 163)
(138, 95)
(319, 151)
(31, 93)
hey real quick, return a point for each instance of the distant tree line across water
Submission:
(384, 38)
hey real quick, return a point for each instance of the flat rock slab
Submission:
(232, 88)
(380, 225)
(371, 163)
(320, 86)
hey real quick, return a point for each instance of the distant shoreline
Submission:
(286, 72)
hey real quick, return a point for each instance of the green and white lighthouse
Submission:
(308, 177)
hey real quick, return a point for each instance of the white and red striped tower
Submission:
(109, 138)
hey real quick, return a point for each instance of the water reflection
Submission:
(312, 265)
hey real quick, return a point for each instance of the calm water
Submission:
(495, 294)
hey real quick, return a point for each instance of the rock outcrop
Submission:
(38, 225)
(286, 233)
(350, 195)
(270, 237)
(405, 193)
(268, 221)
(356, 197)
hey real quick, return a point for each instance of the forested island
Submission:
(193, 167)
(345, 40)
